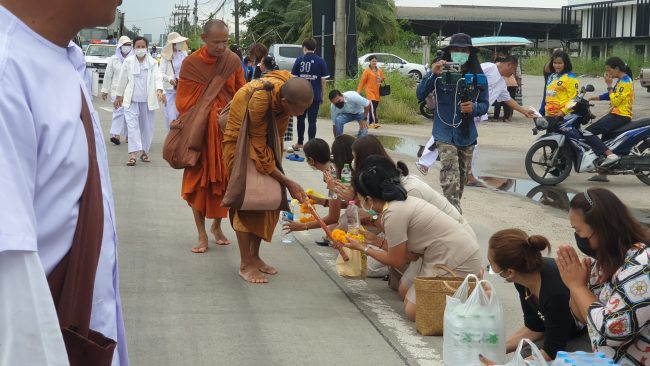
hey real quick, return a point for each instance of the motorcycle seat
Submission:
(641, 122)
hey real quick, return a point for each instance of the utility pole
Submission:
(237, 22)
(340, 38)
(196, 16)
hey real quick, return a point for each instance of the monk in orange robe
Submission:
(205, 184)
(290, 97)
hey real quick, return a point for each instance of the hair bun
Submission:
(392, 190)
(539, 243)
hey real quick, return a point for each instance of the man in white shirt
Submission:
(498, 92)
(347, 107)
(47, 162)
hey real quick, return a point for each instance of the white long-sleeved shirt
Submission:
(126, 84)
(168, 72)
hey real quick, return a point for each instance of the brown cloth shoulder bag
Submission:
(248, 189)
(186, 137)
(73, 280)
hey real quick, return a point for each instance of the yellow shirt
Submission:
(621, 97)
(560, 90)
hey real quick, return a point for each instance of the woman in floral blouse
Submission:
(611, 293)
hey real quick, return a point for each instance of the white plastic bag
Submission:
(518, 360)
(473, 325)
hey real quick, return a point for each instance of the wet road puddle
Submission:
(552, 196)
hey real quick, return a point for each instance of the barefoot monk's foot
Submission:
(218, 234)
(203, 245)
(265, 268)
(252, 274)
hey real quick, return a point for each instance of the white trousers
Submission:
(171, 113)
(139, 120)
(118, 126)
(429, 157)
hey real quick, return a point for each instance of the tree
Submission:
(133, 32)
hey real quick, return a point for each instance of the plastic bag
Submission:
(473, 325)
(518, 360)
(355, 268)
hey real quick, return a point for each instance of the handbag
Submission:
(384, 90)
(431, 297)
(186, 137)
(248, 189)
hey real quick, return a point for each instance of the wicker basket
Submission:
(431, 299)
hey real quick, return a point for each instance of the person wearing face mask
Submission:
(544, 299)
(347, 107)
(123, 50)
(171, 60)
(139, 90)
(610, 290)
(413, 228)
(454, 130)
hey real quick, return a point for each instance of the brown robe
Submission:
(260, 223)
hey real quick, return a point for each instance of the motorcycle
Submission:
(563, 147)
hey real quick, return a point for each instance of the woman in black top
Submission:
(544, 298)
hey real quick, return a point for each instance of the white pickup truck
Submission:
(644, 79)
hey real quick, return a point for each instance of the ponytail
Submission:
(617, 63)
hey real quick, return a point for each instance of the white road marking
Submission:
(402, 330)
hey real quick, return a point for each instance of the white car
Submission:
(285, 55)
(390, 62)
(97, 56)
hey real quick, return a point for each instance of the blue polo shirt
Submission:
(312, 67)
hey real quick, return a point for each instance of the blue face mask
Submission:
(460, 57)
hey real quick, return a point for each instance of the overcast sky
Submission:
(153, 15)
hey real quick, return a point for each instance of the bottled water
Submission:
(581, 358)
(352, 214)
(331, 193)
(346, 175)
(287, 237)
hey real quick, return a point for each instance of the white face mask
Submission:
(126, 49)
(140, 52)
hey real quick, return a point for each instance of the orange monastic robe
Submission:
(260, 223)
(205, 184)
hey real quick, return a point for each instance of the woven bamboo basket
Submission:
(431, 299)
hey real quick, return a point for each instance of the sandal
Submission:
(131, 162)
(115, 140)
(296, 147)
(145, 158)
(295, 157)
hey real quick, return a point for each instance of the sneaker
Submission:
(599, 178)
(296, 147)
(423, 169)
(289, 149)
(610, 160)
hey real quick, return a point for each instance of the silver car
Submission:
(390, 62)
(285, 54)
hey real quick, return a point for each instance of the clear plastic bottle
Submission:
(287, 237)
(331, 193)
(346, 175)
(352, 214)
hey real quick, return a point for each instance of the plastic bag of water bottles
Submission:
(518, 360)
(473, 325)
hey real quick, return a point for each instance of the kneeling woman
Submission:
(413, 227)
(517, 258)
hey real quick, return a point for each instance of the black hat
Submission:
(460, 40)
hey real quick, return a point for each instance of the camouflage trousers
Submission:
(456, 163)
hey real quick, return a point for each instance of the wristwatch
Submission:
(366, 250)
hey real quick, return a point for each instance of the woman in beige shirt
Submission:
(413, 228)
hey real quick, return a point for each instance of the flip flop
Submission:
(131, 162)
(295, 157)
(115, 140)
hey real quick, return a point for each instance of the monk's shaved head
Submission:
(218, 24)
(297, 95)
(215, 36)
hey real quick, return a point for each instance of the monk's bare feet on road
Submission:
(265, 268)
(219, 236)
(252, 275)
(203, 245)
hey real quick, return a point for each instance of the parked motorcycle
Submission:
(563, 147)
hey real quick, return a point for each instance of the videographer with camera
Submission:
(461, 92)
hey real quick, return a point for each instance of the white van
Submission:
(285, 54)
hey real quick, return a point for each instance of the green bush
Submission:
(401, 107)
(581, 65)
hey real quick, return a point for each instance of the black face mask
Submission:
(339, 105)
(584, 246)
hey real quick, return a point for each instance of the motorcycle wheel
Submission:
(538, 163)
(644, 148)
(425, 111)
